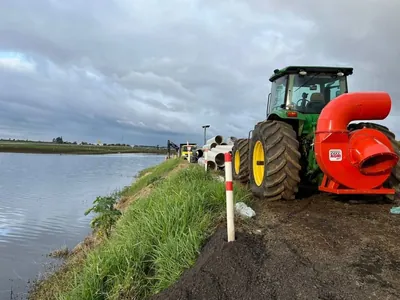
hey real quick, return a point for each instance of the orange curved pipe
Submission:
(338, 113)
(362, 159)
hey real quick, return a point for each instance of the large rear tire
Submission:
(393, 181)
(274, 164)
(240, 160)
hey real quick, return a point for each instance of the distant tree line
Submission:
(60, 140)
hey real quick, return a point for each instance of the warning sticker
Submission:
(335, 155)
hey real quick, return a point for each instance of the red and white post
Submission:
(230, 214)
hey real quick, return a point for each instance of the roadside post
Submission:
(230, 214)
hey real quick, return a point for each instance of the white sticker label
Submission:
(335, 155)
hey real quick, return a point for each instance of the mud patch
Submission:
(60, 253)
(316, 248)
(224, 271)
(373, 268)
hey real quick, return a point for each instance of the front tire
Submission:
(274, 164)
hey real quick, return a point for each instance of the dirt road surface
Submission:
(314, 248)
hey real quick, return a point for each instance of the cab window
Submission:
(312, 92)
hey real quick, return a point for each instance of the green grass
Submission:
(155, 174)
(57, 282)
(155, 240)
(30, 147)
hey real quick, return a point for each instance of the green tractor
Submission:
(279, 155)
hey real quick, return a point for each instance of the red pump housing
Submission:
(360, 161)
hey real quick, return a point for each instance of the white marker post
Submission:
(230, 213)
(189, 150)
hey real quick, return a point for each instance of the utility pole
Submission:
(205, 133)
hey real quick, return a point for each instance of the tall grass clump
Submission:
(106, 214)
(157, 238)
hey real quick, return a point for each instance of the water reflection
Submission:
(42, 201)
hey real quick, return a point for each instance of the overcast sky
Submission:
(144, 71)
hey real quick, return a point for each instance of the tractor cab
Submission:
(306, 89)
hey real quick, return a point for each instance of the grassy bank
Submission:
(52, 148)
(158, 235)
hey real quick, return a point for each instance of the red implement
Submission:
(356, 162)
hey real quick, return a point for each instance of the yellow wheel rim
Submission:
(237, 162)
(258, 163)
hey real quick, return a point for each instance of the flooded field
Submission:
(42, 204)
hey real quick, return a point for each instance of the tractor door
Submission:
(277, 97)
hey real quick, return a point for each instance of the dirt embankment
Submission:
(315, 248)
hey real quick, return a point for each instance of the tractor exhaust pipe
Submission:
(358, 162)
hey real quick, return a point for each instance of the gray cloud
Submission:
(146, 71)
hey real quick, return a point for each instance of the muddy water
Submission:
(42, 204)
